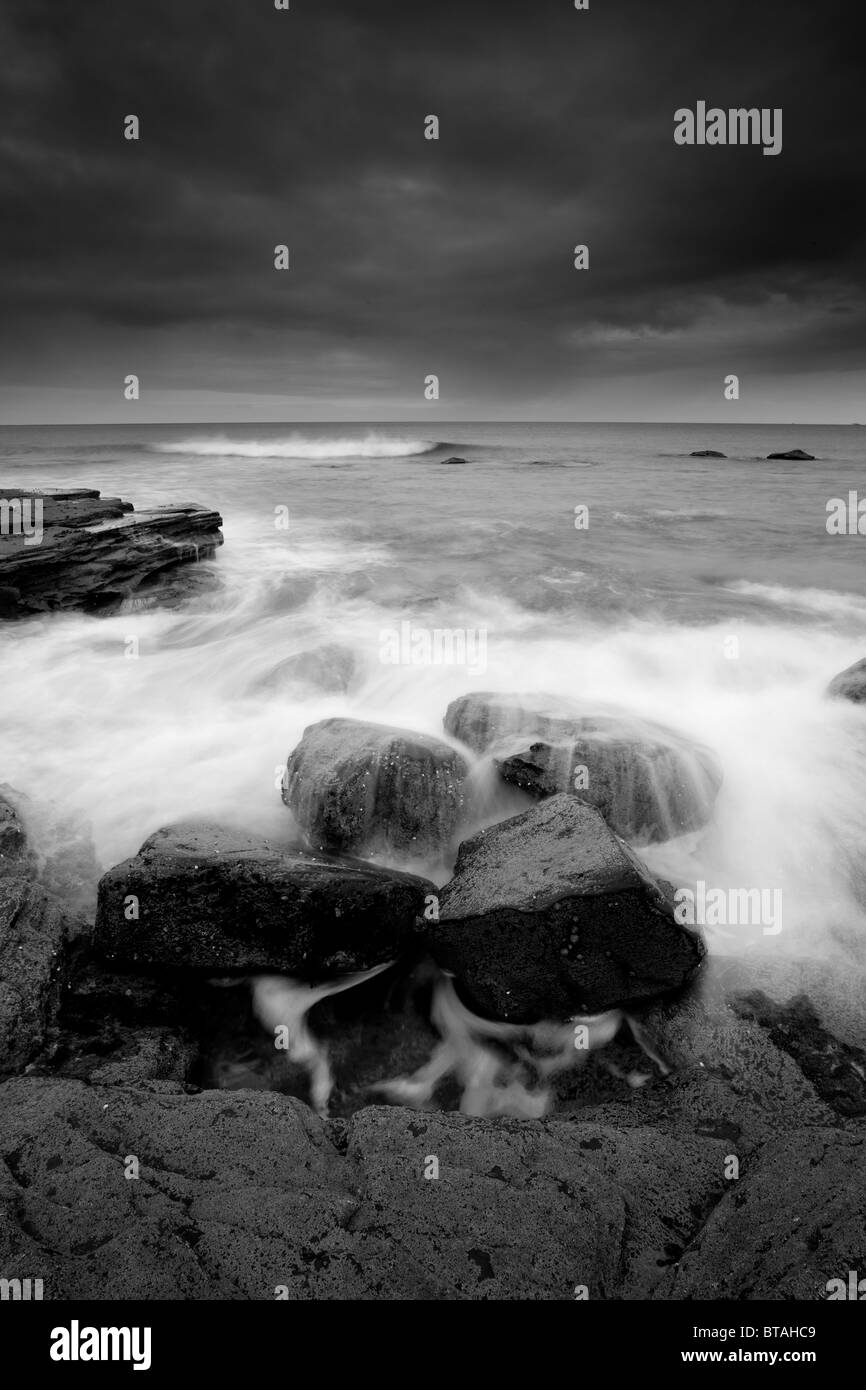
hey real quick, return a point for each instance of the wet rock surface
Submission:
(360, 788)
(648, 783)
(850, 684)
(550, 914)
(209, 898)
(94, 552)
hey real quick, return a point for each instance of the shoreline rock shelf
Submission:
(93, 552)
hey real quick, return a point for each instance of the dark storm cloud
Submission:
(305, 127)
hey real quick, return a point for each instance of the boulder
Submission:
(706, 454)
(369, 789)
(850, 684)
(328, 669)
(90, 552)
(649, 783)
(249, 1196)
(215, 899)
(453, 459)
(793, 454)
(550, 914)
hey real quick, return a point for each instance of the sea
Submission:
(600, 562)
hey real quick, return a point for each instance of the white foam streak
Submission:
(299, 446)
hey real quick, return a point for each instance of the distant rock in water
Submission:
(850, 684)
(368, 788)
(329, 669)
(706, 454)
(73, 549)
(793, 454)
(549, 914)
(215, 899)
(648, 782)
(454, 459)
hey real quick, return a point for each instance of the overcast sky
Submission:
(411, 257)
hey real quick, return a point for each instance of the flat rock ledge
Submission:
(74, 549)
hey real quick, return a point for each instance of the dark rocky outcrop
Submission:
(793, 454)
(95, 552)
(850, 684)
(706, 454)
(369, 789)
(250, 1196)
(328, 669)
(453, 459)
(213, 899)
(550, 914)
(648, 782)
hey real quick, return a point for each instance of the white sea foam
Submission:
(299, 446)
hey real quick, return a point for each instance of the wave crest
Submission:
(299, 446)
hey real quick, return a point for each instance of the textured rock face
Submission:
(791, 1227)
(648, 783)
(797, 454)
(850, 684)
(93, 552)
(369, 788)
(210, 898)
(241, 1196)
(550, 914)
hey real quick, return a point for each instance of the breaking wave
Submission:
(299, 446)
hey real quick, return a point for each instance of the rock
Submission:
(249, 1196)
(850, 684)
(94, 552)
(549, 914)
(369, 788)
(836, 1070)
(34, 934)
(482, 719)
(211, 898)
(328, 669)
(453, 459)
(793, 454)
(791, 1223)
(706, 454)
(15, 854)
(649, 783)
(60, 854)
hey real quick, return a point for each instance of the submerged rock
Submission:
(210, 898)
(706, 454)
(482, 719)
(850, 684)
(549, 914)
(90, 552)
(453, 459)
(648, 782)
(366, 788)
(328, 669)
(793, 454)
